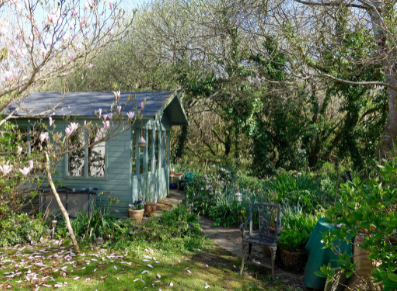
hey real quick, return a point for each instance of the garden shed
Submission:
(120, 167)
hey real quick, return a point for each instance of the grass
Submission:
(98, 268)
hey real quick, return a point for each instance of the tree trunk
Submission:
(228, 143)
(63, 210)
(236, 149)
(388, 64)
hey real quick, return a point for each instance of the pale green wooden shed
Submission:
(122, 163)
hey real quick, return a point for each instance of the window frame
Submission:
(86, 176)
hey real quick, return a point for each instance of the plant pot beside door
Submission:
(136, 213)
(150, 208)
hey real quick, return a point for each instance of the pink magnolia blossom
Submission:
(86, 6)
(118, 109)
(100, 111)
(71, 25)
(19, 150)
(10, 76)
(43, 52)
(71, 128)
(110, 115)
(51, 122)
(74, 125)
(43, 136)
(111, 4)
(116, 95)
(106, 125)
(90, 66)
(68, 131)
(90, 3)
(25, 171)
(26, 4)
(5, 169)
(52, 18)
(30, 164)
(20, 54)
(83, 22)
(142, 105)
(85, 122)
(130, 115)
(71, 57)
(111, 32)
(105, 116)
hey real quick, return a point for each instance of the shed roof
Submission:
(84, 104)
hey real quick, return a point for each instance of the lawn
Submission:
(51, 265)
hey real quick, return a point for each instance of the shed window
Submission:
(76, 159)
(96, 154)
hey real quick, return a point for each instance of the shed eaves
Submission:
(86, 103)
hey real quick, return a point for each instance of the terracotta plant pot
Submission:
(292, 260)
(137, 215)
(150, 208)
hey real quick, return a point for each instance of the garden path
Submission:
(230, 240)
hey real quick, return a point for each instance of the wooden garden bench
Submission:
(264, 236)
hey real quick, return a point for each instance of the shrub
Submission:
(19, 228)
(212, 195)
(369, 208)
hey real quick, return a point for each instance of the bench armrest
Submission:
(242, 227)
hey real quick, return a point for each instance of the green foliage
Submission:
(99, 223)
(19, 228)
(177, 229)
(369, 208)
(137, 207)
(213, 195)
(297, 228)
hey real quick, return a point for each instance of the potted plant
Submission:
(136, 212)
(148, 193)
(292, 247)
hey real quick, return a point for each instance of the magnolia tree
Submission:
(42, 40)
(49, 146)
